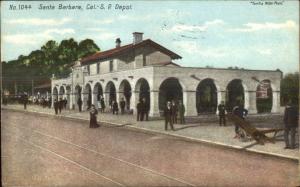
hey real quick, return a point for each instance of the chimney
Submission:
(118, 42)
(137, 37)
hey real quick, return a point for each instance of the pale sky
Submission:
(213, 33)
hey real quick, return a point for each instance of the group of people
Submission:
(171, 112)
(290, 120)
(59, 105)
(142, 110)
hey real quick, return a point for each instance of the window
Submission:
(144, 60)
(111, 66)
(98, 67)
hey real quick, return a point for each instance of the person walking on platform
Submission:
(25, 101)
(122, 105)
(168, 116)
(60, 105)
(56, 105)
(115, 108)
(93, 117)
(138, 110)
(79, 103)
(291, 116)
(102, 104)
(174, 112)
(146, 108)
(181, 110)
(221, 110)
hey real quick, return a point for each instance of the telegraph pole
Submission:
(32, 90)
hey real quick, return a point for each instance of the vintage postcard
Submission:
(150, 93)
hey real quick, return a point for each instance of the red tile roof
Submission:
(118, 50)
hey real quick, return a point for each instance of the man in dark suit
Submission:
(221, 110)
(79, 103)
(115, 107)
(291, 116)
(146, 108)
(25, 101)
(168, 116)
(138, 111)
(56, 105)
(174, 112)
(122, 105)
(60, 105)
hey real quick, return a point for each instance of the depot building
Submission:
(146, 69)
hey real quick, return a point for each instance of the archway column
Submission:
(133, 101)
(189, 101)
(252, 108)
(106, 99)
(276, 101)
(154, 99)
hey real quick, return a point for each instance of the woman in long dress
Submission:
(93, 117)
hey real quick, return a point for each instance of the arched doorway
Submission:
(55, 94)
(87, 96)
(143, 89)
(264, 97)
(170, 89)
(235, 94)
(98, 93)
(110, 89)
(61, 92)
(78, 91)
(206, 97)
(125, 92)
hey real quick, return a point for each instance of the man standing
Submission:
(241, 113)
(65, 101)
(60, 105)
(174, 112)
(168, 116)
(138, 110)
(102, 104)
(79, 103)
(146, 109)
(290, 124)
(89, 104)
(122, 105)
(25, 100)
(56, 105)
(115, 107)
(181, 110)
(221, 109)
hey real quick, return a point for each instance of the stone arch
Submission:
(110, 90)
(62, 92)
(97, 92)
(125, 92)
(206, 96)
(264, 97)
(143, 88)
(235, 94)
(55, 93)
(87, 95)
(170, 89)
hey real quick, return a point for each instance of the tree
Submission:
(67, 51)
(50, 50)
(87, 47)
(290, 88)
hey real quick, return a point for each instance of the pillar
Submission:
(252, 109)
(133, 101)
(276, 102)
(154, 108)
(189, 101)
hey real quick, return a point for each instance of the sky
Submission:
(219, 34)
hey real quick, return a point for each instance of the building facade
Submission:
(145, 69)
